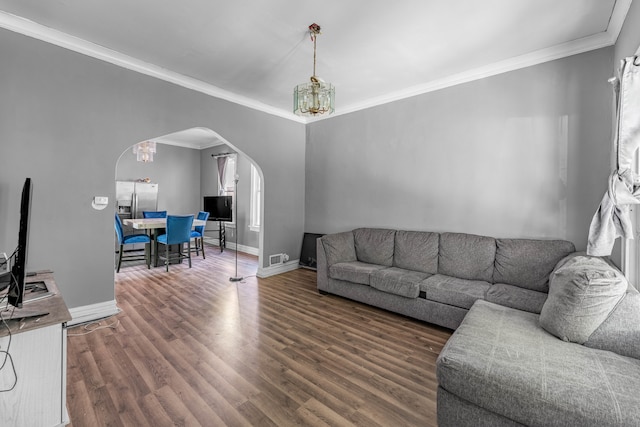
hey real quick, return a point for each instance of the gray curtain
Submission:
(613, 220)
(222, 166)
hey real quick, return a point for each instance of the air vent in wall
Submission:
(276, 259)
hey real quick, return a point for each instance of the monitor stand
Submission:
(34, 291)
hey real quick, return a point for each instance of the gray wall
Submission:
(176, 170)
(520, 154)
(64, 121)
(209, 185)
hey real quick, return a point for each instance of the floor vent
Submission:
(276, 259)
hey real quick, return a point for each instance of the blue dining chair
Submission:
(154, 214)
(198, 234)
(129, 240)
(178, 233)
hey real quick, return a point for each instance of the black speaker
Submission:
(308, 254)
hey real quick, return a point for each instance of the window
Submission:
(229, 176)
(256, 192)
(229, 184)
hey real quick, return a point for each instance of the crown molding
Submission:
(185, 144)
(49, 35)
(619, 14)
(538, 57)
(607, 38)
(573, 47)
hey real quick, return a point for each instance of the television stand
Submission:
(222, 235)
(39, 359)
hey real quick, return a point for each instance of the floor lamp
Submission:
(236, 278)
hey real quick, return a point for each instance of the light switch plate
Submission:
(101, 200)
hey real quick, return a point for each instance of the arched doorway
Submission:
(186, 171)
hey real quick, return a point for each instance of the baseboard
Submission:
(278, 269)
(230, 245)
(89, 313)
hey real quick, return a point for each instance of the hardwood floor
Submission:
(193, 348)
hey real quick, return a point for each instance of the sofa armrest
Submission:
(322, 267)
(332, 249)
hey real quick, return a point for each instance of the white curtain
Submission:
(612, 220)
(222, 166)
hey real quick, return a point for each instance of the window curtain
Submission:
(222, 166)
(613, 219)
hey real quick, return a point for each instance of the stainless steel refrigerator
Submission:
(134, 197)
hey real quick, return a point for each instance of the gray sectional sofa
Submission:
(436, 277)
(543, 335)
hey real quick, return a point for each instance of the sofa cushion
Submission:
(355, 271)
(454, 291)
(515, 297)
(374, 245)
(620, 332)
(501, 360)
(416, 250)
(582, 294)
(398, 281)
(339, 247)
(528, 263)
(467, 256)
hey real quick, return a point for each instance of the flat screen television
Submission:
(219, 208)
(17, 274)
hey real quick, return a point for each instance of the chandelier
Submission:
(144, 151)
(316, 97)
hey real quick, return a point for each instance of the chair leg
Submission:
(202, 245)
(197, 248)
(147, 254)
(119, 258)
(189, 252)
(166, 261)
(155, 253)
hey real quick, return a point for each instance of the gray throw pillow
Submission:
(339, 247)
(527, 263)
(374, 245)
(582, 294)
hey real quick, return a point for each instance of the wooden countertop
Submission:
(54, 305)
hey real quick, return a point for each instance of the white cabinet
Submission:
(37, 365)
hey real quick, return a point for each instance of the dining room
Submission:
(174, 179)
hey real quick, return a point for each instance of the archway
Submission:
(181, 163)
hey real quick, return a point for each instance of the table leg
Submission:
(154, 234)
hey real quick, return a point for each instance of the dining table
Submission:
(153, 225)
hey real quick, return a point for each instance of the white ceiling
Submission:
(374, 51)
